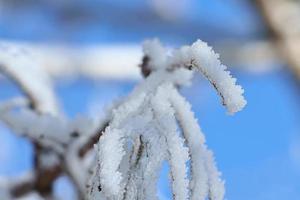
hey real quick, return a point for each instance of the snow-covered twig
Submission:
(152, 125)
(18, 64)
(153, 114)
(201, 57)
(203, 167)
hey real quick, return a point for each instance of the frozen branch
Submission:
(201, 57)
(152, 125)
(177, 152)
(151, 116)
(17, 64)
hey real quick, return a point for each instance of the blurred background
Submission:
(91, 49)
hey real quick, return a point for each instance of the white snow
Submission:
(152, 125)
(201, 57)
(18, 64)
(160, 119)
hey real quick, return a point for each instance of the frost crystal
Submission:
(155, 123)
(201, 57)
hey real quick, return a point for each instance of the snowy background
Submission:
(257, 150)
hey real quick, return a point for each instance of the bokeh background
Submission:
(257, 150)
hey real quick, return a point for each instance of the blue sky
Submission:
(252, 148)
(257, 150)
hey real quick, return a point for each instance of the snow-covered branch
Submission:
(152, 125)
(201, 57)
(57, 140)
(160, 119)
(19, 65)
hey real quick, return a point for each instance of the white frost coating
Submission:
(111, 146)
(18, 64)
(155, 123)
(202, 57)
(177, 152)
(76, 165)
(156, 78)
(153, 167)
(110, 153)
(203, 168)
(127, 109)
(49, 130)
(10, 104)
(37, 126)
(156, 53)
(144, 159)
(216, 184)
